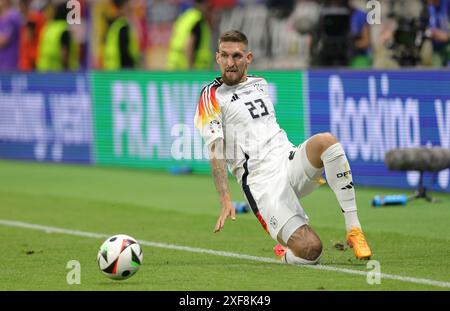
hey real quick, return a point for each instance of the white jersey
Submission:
(243, 115)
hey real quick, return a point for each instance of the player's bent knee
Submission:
(305, 243)
(302, 258)
(326, 140)
(310, 251)
(317, 145)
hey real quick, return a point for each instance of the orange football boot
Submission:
(356, 240)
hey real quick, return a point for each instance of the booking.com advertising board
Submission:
(45, 117)
(373, 112)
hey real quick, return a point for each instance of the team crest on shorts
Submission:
(273, 222)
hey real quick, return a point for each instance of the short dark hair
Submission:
(233, 36)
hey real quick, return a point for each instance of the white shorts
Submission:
(273, 194)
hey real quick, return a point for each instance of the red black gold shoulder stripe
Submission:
(208, 107)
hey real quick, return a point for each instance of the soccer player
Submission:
(236, 118)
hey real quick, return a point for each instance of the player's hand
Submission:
(228, 210)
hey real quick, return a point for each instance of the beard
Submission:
(233, 77)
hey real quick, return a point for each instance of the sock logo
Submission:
(349, 186)
(339, 175)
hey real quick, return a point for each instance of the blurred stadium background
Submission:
(376, 86)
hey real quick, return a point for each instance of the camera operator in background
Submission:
(402, 40)
(343, 36)
(439, 31)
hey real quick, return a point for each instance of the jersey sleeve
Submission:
(208, 117)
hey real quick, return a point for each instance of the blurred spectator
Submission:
(10, 23)
(222, 4)
(122, 45)
(29, 35)
(360, 32)
(190, 45)
(305, 16)
(280, 8)
(57, 49)
(343, 36)
(438, 31)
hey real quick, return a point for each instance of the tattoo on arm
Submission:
(219, 169)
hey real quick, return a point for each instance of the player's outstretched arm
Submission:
(219, 173)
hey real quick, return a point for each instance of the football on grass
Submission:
(120, 257)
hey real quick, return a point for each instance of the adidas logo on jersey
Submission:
(234, 97)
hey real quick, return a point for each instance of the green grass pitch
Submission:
(410, 243)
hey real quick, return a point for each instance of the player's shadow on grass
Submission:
(119, 284)
(345, 262)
